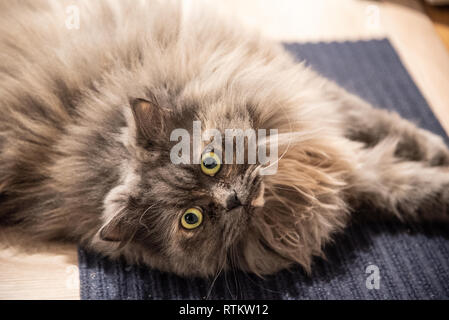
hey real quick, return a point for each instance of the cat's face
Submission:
(199, 218)
(187, 218)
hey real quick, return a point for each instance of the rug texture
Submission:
(412, 260)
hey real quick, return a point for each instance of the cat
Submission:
(85, 122)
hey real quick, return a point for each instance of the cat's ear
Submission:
(149, 119)
(113, 230)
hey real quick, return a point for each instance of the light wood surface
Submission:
(422, 52)
(50, 272)
(440, 18)
(37, 271)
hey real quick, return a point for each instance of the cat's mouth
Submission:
(236, 221)
(237, 210)
(237, 217)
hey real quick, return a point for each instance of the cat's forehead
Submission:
(215, 108)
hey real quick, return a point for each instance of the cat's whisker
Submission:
(234, 270)
(227, 287)
(289, 142)
(220, 269)
(143, 214)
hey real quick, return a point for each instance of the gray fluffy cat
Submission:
(85, 126)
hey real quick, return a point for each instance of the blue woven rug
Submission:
(413, 260)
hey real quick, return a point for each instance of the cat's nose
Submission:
(232, 201)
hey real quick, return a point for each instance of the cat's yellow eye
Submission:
(192, 218)
(210, 163)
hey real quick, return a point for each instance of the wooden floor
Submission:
(440, 19)
(51, 272)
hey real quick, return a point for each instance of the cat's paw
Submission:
(437, 152)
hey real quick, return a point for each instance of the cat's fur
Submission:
(82, 160)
